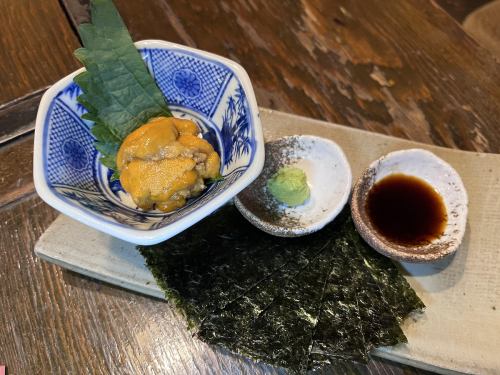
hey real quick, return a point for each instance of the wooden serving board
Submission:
(460, 330)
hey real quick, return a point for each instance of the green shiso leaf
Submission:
(118, 91)
(298, 303)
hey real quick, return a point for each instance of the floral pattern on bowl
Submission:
(214, 92)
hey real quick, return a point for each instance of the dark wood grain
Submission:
(459, 9)
(36, 41)
(17, 117)
(16, 170)
(403, 68)
(77, 11)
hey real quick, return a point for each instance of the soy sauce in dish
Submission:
(406, 210)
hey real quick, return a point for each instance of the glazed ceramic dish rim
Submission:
(393, 250)
(152, 236)
(280, 231)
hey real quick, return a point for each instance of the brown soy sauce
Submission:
(406, 210)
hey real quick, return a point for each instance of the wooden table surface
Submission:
(403, 68)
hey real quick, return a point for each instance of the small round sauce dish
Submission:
(328, 177)
(411, 206)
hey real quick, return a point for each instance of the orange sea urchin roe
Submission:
(164, 162)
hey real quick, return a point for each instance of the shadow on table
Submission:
(443, 274)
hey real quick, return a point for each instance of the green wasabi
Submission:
(289, 186)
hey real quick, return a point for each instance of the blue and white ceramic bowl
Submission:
(211, 90)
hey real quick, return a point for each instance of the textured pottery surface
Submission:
(437, 173)
(214, 92)
(459, 329)
(328, 176)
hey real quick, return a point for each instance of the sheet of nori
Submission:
(352, 291)
(216, 261)
(288, 315)
(383, 298)
(296, 303)
(396, 291)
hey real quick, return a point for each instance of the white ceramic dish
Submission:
(436, 172)
(328, 176)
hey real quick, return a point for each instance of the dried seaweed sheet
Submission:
(289, 317)
(377, 292)
(354, 317)
(216, 261)
(297, 303)
(395, 289)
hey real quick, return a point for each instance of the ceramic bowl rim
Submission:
(384, 246)
(150, 236)
(280, 231)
